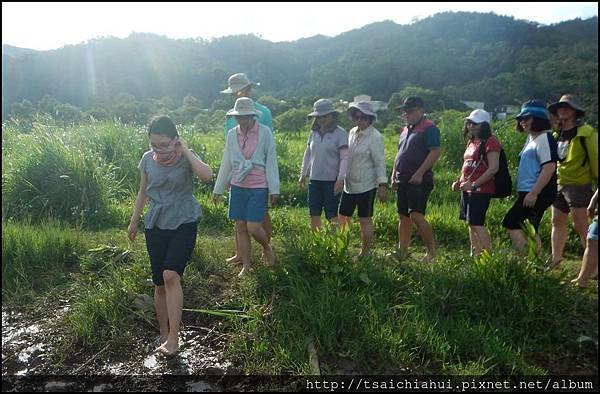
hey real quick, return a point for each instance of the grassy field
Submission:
(67, 198)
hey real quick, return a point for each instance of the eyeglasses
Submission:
(469, 122)
(163, 145)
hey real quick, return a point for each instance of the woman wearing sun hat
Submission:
(325, 160)
(577, 171)
(476, 179)
(250, 164)
(366, 176)
(536, 176)
(238, 85)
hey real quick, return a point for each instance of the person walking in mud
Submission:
(167, 182)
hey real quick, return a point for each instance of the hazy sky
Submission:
(52, 25)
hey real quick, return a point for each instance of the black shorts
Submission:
(170, 249)
(473, 207)
(364, 201)
(515, 216)
(412, 198)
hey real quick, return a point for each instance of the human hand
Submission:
(132, 230)
(416, 179)
(529, 200)
(181, 146)
(273, 198)
(338, 187)
(464, 186)
(455, 186)
(216, 198)
(382, 193)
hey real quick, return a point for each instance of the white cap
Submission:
(479, 116)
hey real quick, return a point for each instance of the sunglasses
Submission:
(471, 123)
(409, 111)
(524, 118)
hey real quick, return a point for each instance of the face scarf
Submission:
(168, 156)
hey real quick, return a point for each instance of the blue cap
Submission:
(533, 108)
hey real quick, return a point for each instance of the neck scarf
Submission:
(168, 156)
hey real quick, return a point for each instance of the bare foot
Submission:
(429, 258)
(245, 271)
(579, 283)
(167, 349)
(269, 256)
(234, 259)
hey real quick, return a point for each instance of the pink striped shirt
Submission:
(257, 177)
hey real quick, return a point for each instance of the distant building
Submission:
(361, 97)
(503, 111)
(377, 105)
(474, 104)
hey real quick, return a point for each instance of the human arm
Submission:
(201, 169)
(339, 183)
(591, 209)
(546, 174)
(378, 157)
(140, 202)
(432, 157)
(272, 169)
(224, 171)
(488, 175)
(305, 168)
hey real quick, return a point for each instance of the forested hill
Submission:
(466, 56)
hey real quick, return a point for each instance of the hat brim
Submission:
(475, 120)
(403, 107)
(356, 107)
(553, 108)
(316, 113)
(232, 91)
(232, 112)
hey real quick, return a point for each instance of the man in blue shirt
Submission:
(240, 86)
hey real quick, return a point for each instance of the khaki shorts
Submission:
(572, 196)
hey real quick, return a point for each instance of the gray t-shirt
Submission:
(325, 155)
(170, 193)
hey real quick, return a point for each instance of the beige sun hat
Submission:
(363, 106)
(238, 82)
(243, 106)
(567, 100)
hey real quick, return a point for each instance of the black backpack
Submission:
(502, 180)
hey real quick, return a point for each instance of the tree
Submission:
(68, 114)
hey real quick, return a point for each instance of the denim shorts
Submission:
(321, 197)
(593, 230)
(249, 205)
(170, 249)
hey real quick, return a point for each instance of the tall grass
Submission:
(35, 258)
(47, 178)
(459, 315)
